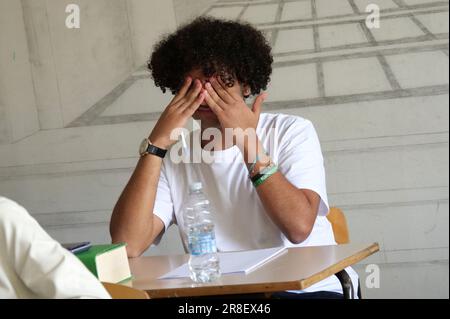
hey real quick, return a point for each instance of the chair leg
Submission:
(359, 290)
(347, 285)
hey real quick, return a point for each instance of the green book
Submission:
(109, 263)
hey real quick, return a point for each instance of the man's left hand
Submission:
(230, 108)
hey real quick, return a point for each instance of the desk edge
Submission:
(271, 287)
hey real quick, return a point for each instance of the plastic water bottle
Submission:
(203, 261)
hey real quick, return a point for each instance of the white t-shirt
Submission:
(241, 222)
(33, 265)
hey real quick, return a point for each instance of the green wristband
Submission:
(266, 174)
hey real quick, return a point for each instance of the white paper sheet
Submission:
(234, 262)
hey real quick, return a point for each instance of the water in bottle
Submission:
(199, 226)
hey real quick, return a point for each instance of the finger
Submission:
(234, 95)
(258, 104)
(221, 91)
(190, 110)
(192, 94)
(212, 93)
(212, 104)
(183, 90)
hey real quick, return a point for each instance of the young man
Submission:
(33, 265)
(267, 188)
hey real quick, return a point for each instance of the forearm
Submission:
(132, 218)
(288, 207)
(292, 209)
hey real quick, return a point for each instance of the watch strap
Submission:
(155, 150)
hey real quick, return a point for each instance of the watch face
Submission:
(143, 147)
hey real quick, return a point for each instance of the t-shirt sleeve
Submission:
(42, 264)
(163, 202)
(301, 162)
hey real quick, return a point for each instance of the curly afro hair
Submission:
(228, 49)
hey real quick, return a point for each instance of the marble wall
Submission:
(18, 114)
(377, 97)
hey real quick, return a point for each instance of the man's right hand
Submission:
(177, 113)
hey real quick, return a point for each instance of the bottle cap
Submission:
(195, 186)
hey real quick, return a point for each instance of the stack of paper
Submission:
(234, 262)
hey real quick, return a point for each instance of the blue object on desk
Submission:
(77, 247)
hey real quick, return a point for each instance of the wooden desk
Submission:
(296, 269)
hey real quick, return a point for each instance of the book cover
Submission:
(109, 262)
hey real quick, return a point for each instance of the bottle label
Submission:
(202, 243)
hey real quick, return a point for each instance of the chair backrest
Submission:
(339, 224)
(123, 292)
